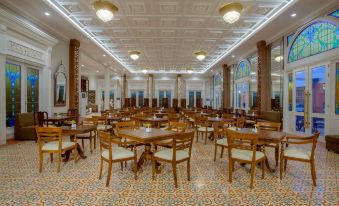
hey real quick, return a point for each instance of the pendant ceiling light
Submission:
(278, 58)
(134, 55)
(104, 10)
(231, 12)
(200, 55)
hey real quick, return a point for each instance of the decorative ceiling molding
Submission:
(167, 33)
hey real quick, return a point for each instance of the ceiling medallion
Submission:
(200, 55)
(278, 58)
(231, 12)
(104, 10)
(134, 55)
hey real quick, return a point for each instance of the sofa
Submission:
(332, 143)
(24, 127)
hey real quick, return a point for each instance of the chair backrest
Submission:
(179, 126)
(100, 119)
(227, 116)
(89, 121)
(49, 134)
(202, 121)
(273, 126)
(304, 140)
(243, 141)
(183, 141)
(41, 117)
(105, 140)
(240, 122)
(125, 125)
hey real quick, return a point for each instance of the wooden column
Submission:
(74, 74)
(226, 86)
(264, 79)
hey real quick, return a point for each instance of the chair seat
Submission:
(167, 154)
(204, 129)
(118, 153)
(103, 127)
(297, 153)
(166, 141)
(54, 145)
(246, 154)
(222, 142)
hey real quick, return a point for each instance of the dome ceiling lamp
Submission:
(231, 12)
(144, 71)
(278, 58)
(104, 10)
(134, 55)
(200, 55)
(189, 70)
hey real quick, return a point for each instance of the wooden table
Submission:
(264, 137)
(157, 121)
(161, 114)
(147, 138)
(59, 120)
(112, 119)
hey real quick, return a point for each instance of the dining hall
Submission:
(169, 102)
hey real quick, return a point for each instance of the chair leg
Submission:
(215, 152)
(109, 173)
(122, 166)
(59, 162)
(153, 168)
(206, 135)
(313, 173)
(95, 141)
(51, 155)
(252, 175)
(90, 145)
(41, 157)
(263, 169)
(174, 167)
(188, 170)
(230, 170)
(222, 151)
(276, 155)
(281, 167)
(83, 144)
(101, 165)
(135, 168)
(285, 165)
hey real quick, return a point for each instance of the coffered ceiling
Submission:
(168, 32)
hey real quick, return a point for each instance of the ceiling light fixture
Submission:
(47, 14)
(189, 70)
(233, 56)
(231, 12)
(134, 55)
(104, 10)
(278, 58)
(293, 15)
(144, 71)
(97, 71)
(104, 55)
(200, 55)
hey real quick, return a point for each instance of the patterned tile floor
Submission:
(78, 184)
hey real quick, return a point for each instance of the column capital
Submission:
(261, 44)
(224, 66)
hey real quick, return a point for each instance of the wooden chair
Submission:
(42, 118)
(180, 152)
(240, 122)
(102, 123)
(299, 154)
(112, 155)
(173, 126)
(220, 138)
(74, 114)
(50, 141)
(273, 126)
(242, 148)
(91, 136)
(202, 127)
(123, 126)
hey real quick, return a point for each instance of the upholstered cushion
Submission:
(118, 153)
(55, 145)
(222, 141)
(297, 153)
(167, 154)
(203, 129)
(246, 154)
(103, 127)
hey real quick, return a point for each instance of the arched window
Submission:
(243, 70)
(314, 39)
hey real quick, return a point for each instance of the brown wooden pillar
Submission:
(226, 86)
(74, 74)
(264, 79)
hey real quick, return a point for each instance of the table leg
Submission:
(147, 155)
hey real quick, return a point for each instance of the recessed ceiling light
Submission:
(82, 65)
(231, 12)
(104, 55)
(278, 58)
(97, 71)
(200, 55)
(47, 14)
(293, 15)
(189, 70)
(233, 56)
(134, 55)
(104, 10)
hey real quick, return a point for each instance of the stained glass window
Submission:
(32, 90)
(13, 94)
(289, 38)
(243, 70)
(335, 14)
(337, 88)
(218, 79)
(316, 38)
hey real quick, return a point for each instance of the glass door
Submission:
(165, 94)
(310, 99)
(138, 96)
(194, 98)
(242, 95)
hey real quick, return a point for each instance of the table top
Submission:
(140, 135)
(60, 118)
(80, 129)
(263, 135)
(112, 118)
(151, 119)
